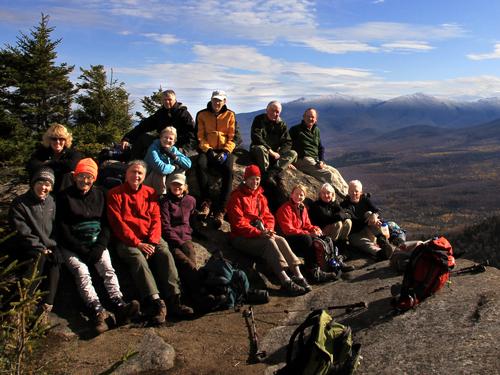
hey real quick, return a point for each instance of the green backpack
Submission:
(328, 349)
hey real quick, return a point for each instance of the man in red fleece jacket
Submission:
(134, 216)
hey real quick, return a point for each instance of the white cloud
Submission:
(407, 46)
(389, 31)
(486, 56)
(163, 38)
(378, 1)
(338, 46)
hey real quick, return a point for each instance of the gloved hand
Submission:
(221, 158)
(211, 154)
(167, 151)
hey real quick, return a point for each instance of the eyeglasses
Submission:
(57, 139)
(84, 177)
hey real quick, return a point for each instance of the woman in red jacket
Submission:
(252, 232)
(293, 220)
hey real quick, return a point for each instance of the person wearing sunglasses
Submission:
(55, 152)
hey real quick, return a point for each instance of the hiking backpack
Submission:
(328, 349)
(427, 271)
(326, 254)
(220, 279)
(397, 235)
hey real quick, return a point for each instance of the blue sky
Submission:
(258, 51)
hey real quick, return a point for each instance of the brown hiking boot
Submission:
(178, 310)
(100, 321)
(300, 281)
(320, 276)
(158, 312)
(291, 289)
(125, 311)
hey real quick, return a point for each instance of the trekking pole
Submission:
(257, 353)
(348, 307)
(476, 268)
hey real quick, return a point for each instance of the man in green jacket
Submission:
(271, 146)
(306, 141)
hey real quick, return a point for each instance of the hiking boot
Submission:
(320, 276)
(158, 312)
(345, 267)
(291, 289)
(125, 311)
(386, 247)
(300, 281)
(100, 318)
(178, 310)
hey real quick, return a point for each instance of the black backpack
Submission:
(328, 350)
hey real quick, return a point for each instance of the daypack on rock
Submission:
(427, 271)
(328, 349)
(220, 279)
(326, 254)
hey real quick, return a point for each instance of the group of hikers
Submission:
(147, 219)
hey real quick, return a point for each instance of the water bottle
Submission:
(384, 228)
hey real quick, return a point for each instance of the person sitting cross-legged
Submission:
(83, 236)
(252, 232)
(293, 220)
(134, 216)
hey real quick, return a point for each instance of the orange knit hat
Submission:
(87, 165)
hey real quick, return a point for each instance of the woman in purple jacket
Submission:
(176, 208)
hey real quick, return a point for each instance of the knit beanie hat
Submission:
(43, 174)
(250, 171)
(87, 165)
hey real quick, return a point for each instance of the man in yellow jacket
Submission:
(215, 126)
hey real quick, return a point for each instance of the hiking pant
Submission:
(328, 174)
(366, 240)
(47, 268)
(339, 230)
(185, 261)
(274, 251)
(206, 162)
(81, 272)
(156, 274)
(261, 156)
(302, 245)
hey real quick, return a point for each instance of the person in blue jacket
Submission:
(163, 159)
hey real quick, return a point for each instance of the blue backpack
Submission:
(221, 279)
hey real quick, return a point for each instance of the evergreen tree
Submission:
(151, 103)
(103, 113)
(39, 91)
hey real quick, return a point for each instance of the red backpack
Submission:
(427, 272)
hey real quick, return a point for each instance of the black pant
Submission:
(205, 161)
(301, 245)
(47, 268)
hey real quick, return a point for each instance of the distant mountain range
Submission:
(349, 123)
